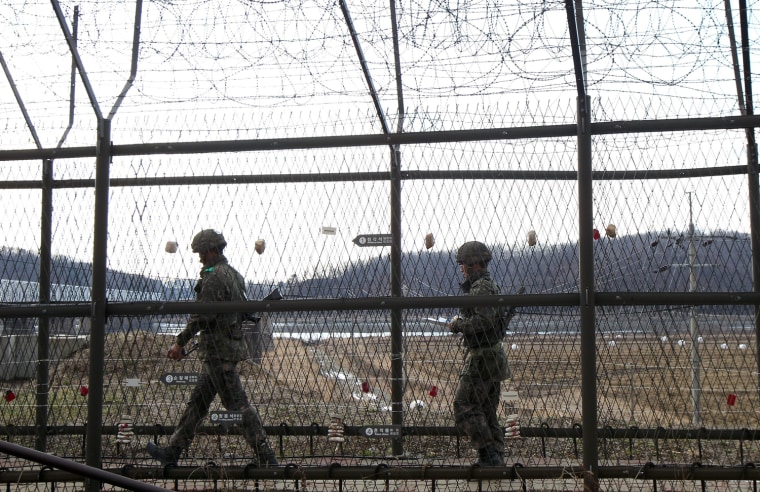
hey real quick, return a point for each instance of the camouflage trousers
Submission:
(220, 378)
(475, 405)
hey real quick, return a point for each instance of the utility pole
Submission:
(696, 382)
(696, 385)
(696, 363)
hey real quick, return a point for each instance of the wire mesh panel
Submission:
(345, 151)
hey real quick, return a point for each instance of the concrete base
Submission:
(18, 353)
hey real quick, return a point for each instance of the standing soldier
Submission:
(485, 364)
(221, 346)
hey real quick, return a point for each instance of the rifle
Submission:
(193, 348)
(272, 296)
(510, 313)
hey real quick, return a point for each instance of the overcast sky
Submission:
(246, 70)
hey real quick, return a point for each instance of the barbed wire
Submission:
(282, 56)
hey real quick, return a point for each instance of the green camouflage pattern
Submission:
(207, 240)
(473, 252)
(487, 363)
(482, 326)
(220, 346)
(485, 366)
(220, 334)
(221, 378)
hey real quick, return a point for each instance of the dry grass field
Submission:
(642, 382)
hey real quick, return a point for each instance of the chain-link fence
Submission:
(633, 351)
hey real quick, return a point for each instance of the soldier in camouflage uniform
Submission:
(221, 346)
(485, 365)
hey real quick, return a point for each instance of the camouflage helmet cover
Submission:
(473, 252)
(207, 240)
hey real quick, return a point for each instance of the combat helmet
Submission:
(473, 252)
(206, 240)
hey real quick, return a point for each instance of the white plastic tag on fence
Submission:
(335, 431)
(125, 430)
(512, 428)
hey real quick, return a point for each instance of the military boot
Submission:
(167, 456)
(497, 457)
(482, 457)
(265, 455)
(489, 456)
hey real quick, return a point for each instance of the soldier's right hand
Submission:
(176, 352)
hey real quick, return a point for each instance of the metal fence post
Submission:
(97, 330)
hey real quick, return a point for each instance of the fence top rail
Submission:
(513, 133)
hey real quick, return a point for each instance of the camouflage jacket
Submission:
(221, 336)
(480, 326)
(482, 332)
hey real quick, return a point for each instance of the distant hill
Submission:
(24, 265)
(638, 263)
